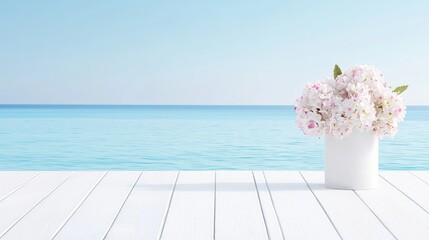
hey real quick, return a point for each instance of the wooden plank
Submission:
(299, 212)
(12, 181)
(191, 213)
(410, 185)
(422, 175)
(94, 217)
(44, 220)
(143, 214)
(270, 215)
(15, 207)
(238, 213)
(404, 218)
(350, 215)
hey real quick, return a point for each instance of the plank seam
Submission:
(20, 186)
(404, 194)
(78, 206)
(122, 206)
(379, 219)
(260, 206)
(214, 208)
(419, 178)
(168, 207)
(320, 204)
(274, 206)
(37, 204)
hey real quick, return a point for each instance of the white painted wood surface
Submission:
(193, 204)
(16, 206)
(352, 218)
(93, 218)
(45, 219)
(410, 185)
(422, 175)
(209, 205)
(143, 214)
(404, 218)
(270, 215)
(12, 181)
(300, 215)
(238, 212)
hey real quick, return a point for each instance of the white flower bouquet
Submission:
(358, 99)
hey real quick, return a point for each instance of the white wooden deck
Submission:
(209, 205)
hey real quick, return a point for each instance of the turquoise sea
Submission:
(77, 137)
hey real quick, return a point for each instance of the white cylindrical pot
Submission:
(352, 162)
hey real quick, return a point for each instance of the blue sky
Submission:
(203, 52)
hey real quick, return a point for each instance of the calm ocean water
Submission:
(42, 137)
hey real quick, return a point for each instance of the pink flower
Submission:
(359, 98)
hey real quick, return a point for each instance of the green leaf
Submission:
(400, 89)
(337, 71)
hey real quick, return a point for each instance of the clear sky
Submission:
(203, 52)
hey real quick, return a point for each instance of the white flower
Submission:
(311, 123)
(390, 111)
(312, 108)
(359, 98)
